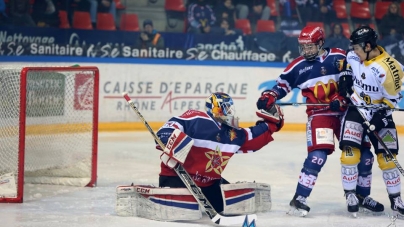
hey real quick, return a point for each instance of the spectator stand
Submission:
(244, 25)
(361, 13)
(276, 10)
(105, 21)
(146, 9)
(64, 21)
(129, 22)
(265, 26)
(175, 11)
(82, 20)
(341, 11)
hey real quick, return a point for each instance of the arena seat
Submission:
(129, 22)
(82, 20)
(265, 26)
(340, 9)
(360, 10)
(402, 9)
(64, 22)
(347, 30)
(119, 5)
(105, 21)
(244, 25)
(381, 9)
(272, 6)
(175, 5)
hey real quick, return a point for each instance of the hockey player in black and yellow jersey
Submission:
(371, 78)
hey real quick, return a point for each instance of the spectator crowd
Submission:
(223, 17)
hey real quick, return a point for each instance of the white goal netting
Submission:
(47, 118)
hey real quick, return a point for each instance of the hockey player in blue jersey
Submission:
(316, 74)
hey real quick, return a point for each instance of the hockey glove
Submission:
(274, 117)
(168, 161)
(267, 100)
(379, 121)
(177, 148)
(345, 82)
(338, 103)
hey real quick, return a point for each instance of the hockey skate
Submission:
(397, 205)
(368, 205)
(352, 202)
(298, 206)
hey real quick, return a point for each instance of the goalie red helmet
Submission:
(311, 41)
(221, 107)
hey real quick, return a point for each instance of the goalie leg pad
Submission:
(161, 204)
(246, 198)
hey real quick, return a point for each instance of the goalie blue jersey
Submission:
(214, 144)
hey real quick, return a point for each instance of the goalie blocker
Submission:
(178, 204)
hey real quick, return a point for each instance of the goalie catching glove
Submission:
(177, 149)
(274, 117)
(267, 100)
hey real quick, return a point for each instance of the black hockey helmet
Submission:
(364, 35)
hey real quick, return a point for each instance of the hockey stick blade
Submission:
(214, 216)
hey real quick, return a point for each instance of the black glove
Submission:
(338, 103)
(345, 84)
(379, 121)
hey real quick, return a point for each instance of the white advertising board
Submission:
(163, 91)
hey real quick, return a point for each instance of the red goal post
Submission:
(48, 127)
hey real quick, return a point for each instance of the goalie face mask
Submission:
(221, 107)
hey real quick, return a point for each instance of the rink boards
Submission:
(161, 91)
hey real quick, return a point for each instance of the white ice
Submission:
(130, 157)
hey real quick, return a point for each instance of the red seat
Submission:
(381, 9)
(118, 4)
(360, 10)
(244, 25)
(82, 20)
(265, 26)
(402, 8)
(340, 9)
(271, 4)
(346, 30)
(64, 22)
(105, 21)
(175, 5)
(316, 24)
(129, 22)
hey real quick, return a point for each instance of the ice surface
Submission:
(130, 157)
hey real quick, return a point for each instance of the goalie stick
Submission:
(384, 146)
(192, 187)
(326, 104)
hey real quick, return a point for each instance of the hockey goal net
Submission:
(48, 127)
